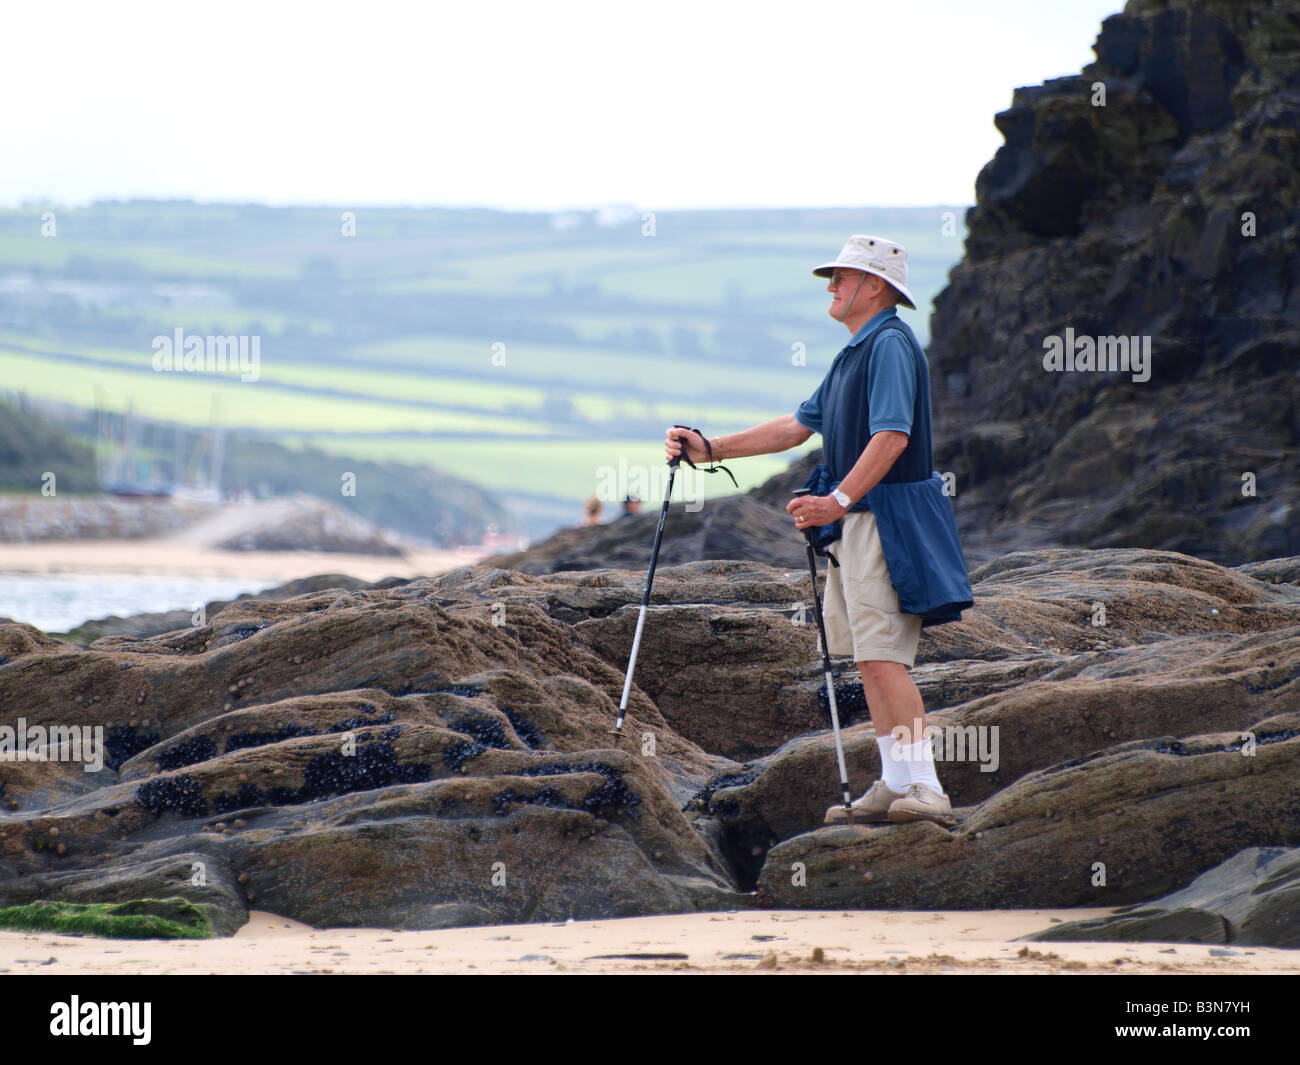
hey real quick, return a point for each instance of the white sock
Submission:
(892, 771)
(918, 763)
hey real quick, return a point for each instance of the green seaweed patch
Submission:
(170, 918)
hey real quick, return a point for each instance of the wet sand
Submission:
(750, 941)
(174, 556)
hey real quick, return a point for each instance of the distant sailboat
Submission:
(126, 473)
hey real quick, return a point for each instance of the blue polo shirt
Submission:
(881, 380)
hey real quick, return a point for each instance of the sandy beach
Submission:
(759, 942)
(174, 556)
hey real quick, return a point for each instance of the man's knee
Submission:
(881, 672)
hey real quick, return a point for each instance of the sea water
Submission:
(59, 602)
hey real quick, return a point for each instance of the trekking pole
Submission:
(673, 463)
(826, 668)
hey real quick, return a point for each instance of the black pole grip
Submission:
(676, 459)
(807, 533)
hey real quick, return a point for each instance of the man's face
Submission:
(843, 283)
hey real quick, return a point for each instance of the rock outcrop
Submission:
(437, 752)
(1169, 211)
(1252, 899)
(33, 518)
(152, 624)
(359, 757)
(1134, 820)
(301, 522)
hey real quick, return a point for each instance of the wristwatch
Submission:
(841, 499)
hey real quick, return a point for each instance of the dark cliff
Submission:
(1169, 212)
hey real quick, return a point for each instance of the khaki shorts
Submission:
(860, 606)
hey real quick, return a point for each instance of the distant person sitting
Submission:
(631, 508)
(591, 512)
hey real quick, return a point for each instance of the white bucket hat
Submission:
(875, 255)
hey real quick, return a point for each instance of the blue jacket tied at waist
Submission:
(918, 535)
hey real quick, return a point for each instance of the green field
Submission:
(177, 397)
(374, 400)
(57, 252)
(563, 469)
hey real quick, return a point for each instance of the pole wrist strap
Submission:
(714, 466)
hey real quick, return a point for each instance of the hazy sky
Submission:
(522, 105)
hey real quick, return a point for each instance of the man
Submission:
(871, 418)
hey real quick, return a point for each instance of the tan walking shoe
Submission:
(873, 806)
(921, 803)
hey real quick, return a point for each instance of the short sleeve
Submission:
(891, 385)
(809, 414)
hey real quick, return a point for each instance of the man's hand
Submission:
(694, 445)
(812, 511)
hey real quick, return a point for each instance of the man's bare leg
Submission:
(894, 700)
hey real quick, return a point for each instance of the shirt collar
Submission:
(873, 323)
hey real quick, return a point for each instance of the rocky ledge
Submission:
(438, 752)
